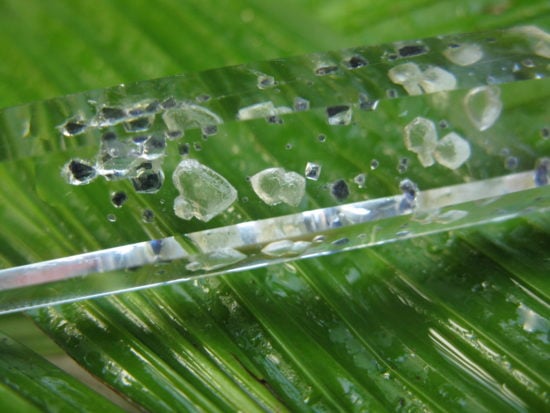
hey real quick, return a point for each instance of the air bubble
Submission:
(321, 138)
(197, 146)
(203, 193)
(403, 165)
(313, 171)
(215, 260)
(339, 115)
(464, 55)
(301, 104)
(340, 190)
(545, 133)
(173, 135)
(288, 146)
(275, 186)
(452, 151)
(111, 218)
(420, 137)
(392, 93)
(79, 172)
(374, 164)
(118, 199)
(340, 241)
(276, 120)
(483, 106)
(148, 181)
(528, 63)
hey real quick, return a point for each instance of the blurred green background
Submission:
(451, 322)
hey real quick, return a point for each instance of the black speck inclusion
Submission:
(335, 110)
(119, 198)
(356, 62)
(81, 171)
(326, 70)
(412, 50)
(340, 190)
(148, 181)
(112, 114)
(74, 127)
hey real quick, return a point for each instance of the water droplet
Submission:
(301, 104)
(138, 124)
(265, 82)
(464, 54)
(321, 138)
(483, 106)
(420, 137)
(276, 120)
(356, 62)
(545, 133)
(443, 124)
(452, 151)
(313, 171)
(412, 50)
(326, 70)
(339, 115)
(148, 180)
(203, 192)
(262, 110)
(275, 185)
(202, 98)
(360, 180)
(435, 79)
(197, 146)
(340, 190)
(542, 172)
(118, 199)
(288, 146)
(285, 248)
(148, 216)
(111, 218)
(73, 127)
(374, 164)
(319, 239)
(79, 172)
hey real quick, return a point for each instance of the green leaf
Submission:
(451, 322)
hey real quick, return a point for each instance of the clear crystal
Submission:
(275, 186)
(464, 54)
(313, 171)
(203, 193)
(483, 106)
(435, 79)
(420, 137)
(452, 151)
